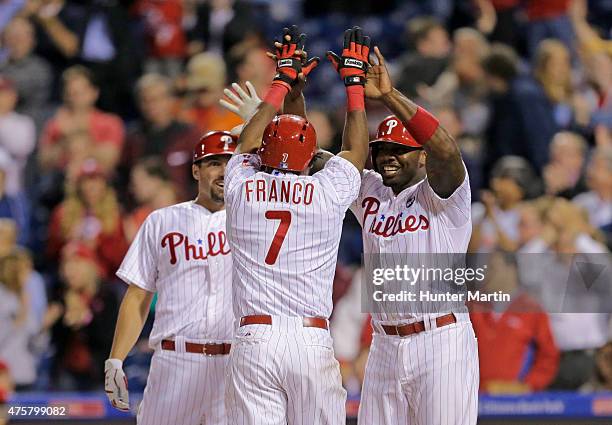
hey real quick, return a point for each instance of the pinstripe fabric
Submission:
(181, 252)
(430, 378)
(184, 388)
(284, 374)
(299, 283)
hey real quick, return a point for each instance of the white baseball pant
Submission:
(284, 373)
(184, 388)
(429, 378)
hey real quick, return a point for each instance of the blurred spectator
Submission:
(218, 25)
(7, 387)
(22, 320)
(564, 173)
(596, 57)
(8, 236)
(30, 73)
(80, 319)
(429, 59)
(326, 132)
(167, 44)
(152, 189)
(548, 19)
(15, 207)
(78, 113)
(522, 118)
(470, 146)
(462, 85)
(602, 381)
(498, 19)
(205, 83)
(496, 218)
(8, 9)
(552, 70)
(531, 228)
(247, 61)
(575, 241)
(91, 215)
(598, 201)
(17, 137)
(158, 133)
(516, 348)
(96, 34)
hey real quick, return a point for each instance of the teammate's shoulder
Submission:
(371, 175)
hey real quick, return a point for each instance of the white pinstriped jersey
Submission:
(181, 252)
(284, 232)
(416, 222)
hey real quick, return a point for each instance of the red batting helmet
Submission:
(391, 130)
(289, 143)
(214, 143)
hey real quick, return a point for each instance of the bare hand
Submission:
(378, 83)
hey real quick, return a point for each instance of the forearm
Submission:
(355, 138)
(64, 39)
(132, 315)
(250, 138)
(295, 105)
(445, 170)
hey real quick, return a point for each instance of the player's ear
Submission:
(422, 158)
(195, 172)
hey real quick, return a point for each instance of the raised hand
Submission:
(378, 81)
(242, 103)
(291, 58)
(352, 65)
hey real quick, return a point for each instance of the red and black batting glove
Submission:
(288, 62)
(353, 64)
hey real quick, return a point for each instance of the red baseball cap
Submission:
(391, 130)
(215, 143)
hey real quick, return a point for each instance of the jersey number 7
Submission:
(281, 232)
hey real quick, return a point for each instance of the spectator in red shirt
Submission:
(516, 348)
(78, 113)
(167, 43)
(91, 215)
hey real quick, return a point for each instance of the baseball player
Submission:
(422, 367)
(284, 229)
(181, 253)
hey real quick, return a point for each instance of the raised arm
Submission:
(352, 67)
(289, 68)
(445, 170)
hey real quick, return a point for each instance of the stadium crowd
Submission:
(101, 103)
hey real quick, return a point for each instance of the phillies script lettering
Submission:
(175, 241)
(392, 224)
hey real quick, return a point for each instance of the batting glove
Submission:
(353, 64)
(289, 57)
(116, 385)
(242, 103)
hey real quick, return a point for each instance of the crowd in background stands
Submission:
(101, 103)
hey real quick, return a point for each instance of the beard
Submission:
(217, 195)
